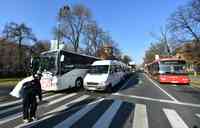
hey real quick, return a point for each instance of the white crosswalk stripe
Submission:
(10, 118)
(19, 106)
(174, 119)
(10, 109)
(61, 99)
(106, 119)
(140, 116)
(10, 103)
(14, 102)
(75, 117)
(60, 108)
(67, 105)
(18, 115)
(198, 115)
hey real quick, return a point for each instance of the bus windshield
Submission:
(48, 62)
(172, 67)
(98, 69)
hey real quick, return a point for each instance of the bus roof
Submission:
(72, 53)
(108, 62)
(166, 59)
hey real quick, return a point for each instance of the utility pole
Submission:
(63, 13)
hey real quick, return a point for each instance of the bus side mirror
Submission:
(62, 58)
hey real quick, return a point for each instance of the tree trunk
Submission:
(20, 54)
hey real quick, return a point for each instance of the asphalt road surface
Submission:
(138, 102)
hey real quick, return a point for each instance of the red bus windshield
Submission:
(172, 67)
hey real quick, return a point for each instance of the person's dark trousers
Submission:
(33, 107)
(29, 107)
(26, 106)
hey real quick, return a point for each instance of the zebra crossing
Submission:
(83, 110)
(140, 120)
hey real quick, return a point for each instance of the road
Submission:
(138, 102)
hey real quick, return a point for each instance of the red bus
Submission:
(168, 70)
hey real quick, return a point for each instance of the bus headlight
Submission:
(185, 79)
(162, 78)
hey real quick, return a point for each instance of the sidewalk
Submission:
(195, 81)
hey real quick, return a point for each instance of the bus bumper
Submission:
(174, 79)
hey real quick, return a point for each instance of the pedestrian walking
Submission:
(30, 91)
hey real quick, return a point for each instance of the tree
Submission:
(126, 59)
(8, 64)
(93, 38)
(155, 49)
(71, 23)
(184, 24)
(40, 46)
(108, 43)
(190, 52)
(195, 10)
(18, 33)
(163, 37)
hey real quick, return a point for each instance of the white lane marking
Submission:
(174, 119)
(174, 99)
(18, 115)
(67, 105)
(105, 120)
(30, 125)
(53, 112)
(61, 99)
(52, 96)
(67, 123)
(10, 109)
(19, 106)
(198, 115)
(11, 117)
(14, 102)
(10, 103)
(140, 117)
(157, 100)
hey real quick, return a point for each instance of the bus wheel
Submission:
(109, 88)
(79, 83)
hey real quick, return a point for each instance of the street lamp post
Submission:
(63, 12)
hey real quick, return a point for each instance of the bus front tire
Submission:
(79, 83)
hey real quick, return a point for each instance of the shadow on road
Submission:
(130, 81)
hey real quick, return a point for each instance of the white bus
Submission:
(62, 69)
(104, 75)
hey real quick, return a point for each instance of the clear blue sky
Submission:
(128, 21)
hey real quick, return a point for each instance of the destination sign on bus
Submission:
(172, 62)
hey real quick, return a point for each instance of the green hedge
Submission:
(14, 75)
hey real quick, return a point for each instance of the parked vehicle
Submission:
(105, 74)
(62, 69)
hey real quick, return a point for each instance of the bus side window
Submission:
(66, 65)
(157, 67)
